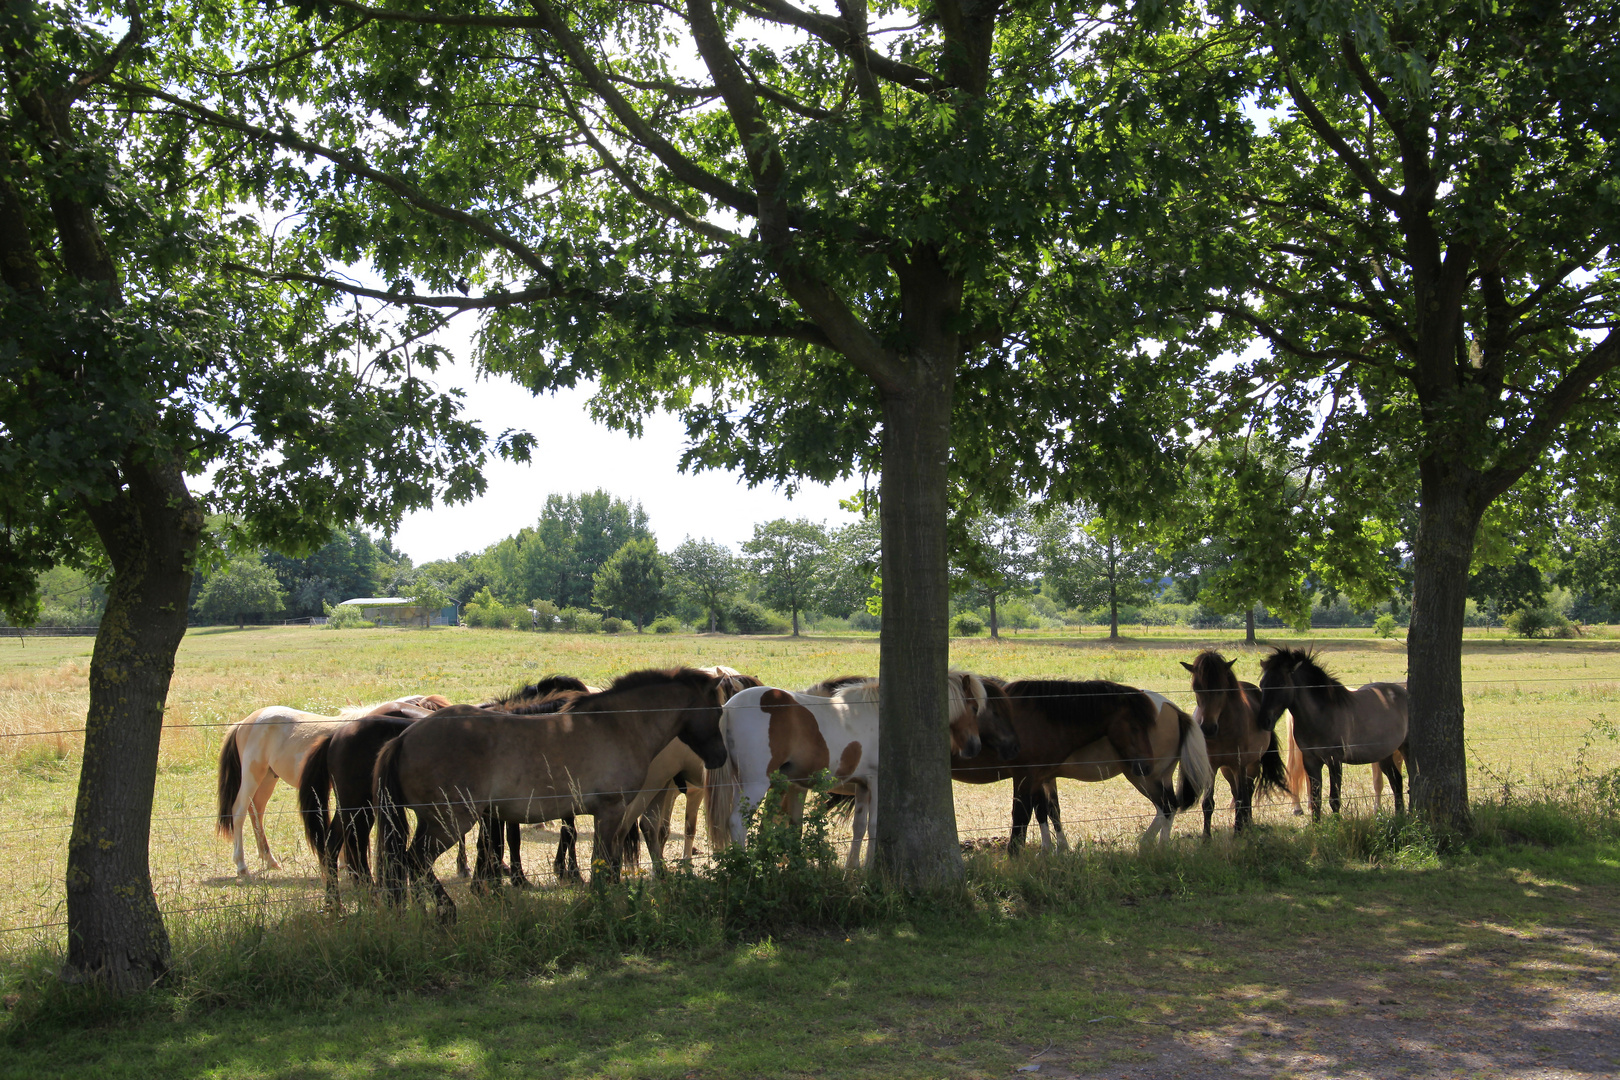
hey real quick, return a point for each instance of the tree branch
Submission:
(1329, 134)
(834, 33)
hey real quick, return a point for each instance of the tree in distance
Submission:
(1090, 564)
(786, 557)
(1000, 557)
(632, 581)
(244, 586)
(705, 572)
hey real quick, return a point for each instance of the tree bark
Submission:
(1113, 592)
(1448, 520)
(993, 627)
(150, 531)
(915, 842)
(1248, 624)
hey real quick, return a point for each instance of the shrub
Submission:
(669, 624)
(1540, 622)
(347, 618)
(747, 617)
(968, 624)
(587, 622)
(545, 614)
(1384, 625)
(613, 625)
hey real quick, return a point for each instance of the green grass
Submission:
(1081, 955)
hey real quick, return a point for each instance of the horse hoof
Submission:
(1299, 813)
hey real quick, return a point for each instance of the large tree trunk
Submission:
(1248, 625)
(1448, 519)
(994, 629)
(915, 842)
(150, 531)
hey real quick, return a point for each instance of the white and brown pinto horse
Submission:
(272, 744)
(770, 730)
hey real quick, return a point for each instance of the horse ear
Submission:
(1231, 664)
(1189, 667)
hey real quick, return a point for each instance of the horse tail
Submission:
(724, 788)
(392, 825)
(313, 787)
(230, 782)
(1197, 776)
(1273, 773)
(838, 805)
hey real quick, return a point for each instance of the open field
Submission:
(1530, 705)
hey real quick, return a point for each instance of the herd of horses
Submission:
(623, 754)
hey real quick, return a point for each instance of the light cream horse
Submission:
(272, 744)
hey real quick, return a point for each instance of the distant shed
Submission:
(398, 611)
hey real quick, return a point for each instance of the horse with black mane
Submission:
(467, 764)
(1240, 747)
(1334, 725)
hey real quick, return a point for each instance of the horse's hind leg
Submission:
(514, 846)
(261, 798)
(1242, 799)
(566, 864)
(1054, 814)
(486, 875)
(1209, 804)
(694, 812)
(1022, 791)
(1313, 780)
(1390, 767)
(1335, 782)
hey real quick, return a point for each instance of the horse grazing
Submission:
(1176, 740)
(1334, 725)
(465, 764)
(770, 730)
(272, 744)
(341, 762)
(1239, 747)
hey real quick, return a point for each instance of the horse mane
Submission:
(694, 678)
(1308, 675)
(829, 687)
(970, 686)
(1066, 701)
(1211, 668)
(551, 684)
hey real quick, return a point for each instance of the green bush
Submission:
(669, 624)
(967, 624)
(1384, 626)
(1540, 622)
(613, 625)
(545, 614)
(587, 622)
(347, 618)
(747, 617)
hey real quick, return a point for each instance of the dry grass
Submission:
(1529, 707)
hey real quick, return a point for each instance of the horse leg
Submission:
(694, 813)
(1378, 787)
(1390, 767)
(434, 835)
(486, 875)
(461, 858)
(566, 864)
(858, 824)
(1296, 769)
(1313, 779)
(261, 798)
(514, 845)
(1020, 815)
(1054, 813)
(607, 857)
(1209, 806)
(1335, 778)
(1042, 812)
(1242, 800)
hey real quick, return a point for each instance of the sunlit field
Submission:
(1530, 712)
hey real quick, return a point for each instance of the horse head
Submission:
(700, 723)
(1278, 684)
(966, 695)
(1214, 685)
(996, 729)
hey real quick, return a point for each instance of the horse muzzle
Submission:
(972, 746)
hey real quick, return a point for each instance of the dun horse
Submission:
(465, 764)
(272, 744)
(1239, 746)
(1335, 726)
(1296, 775)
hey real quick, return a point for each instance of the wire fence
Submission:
(193, 872)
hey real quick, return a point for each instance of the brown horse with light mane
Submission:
(466, 764)
(1240, 748)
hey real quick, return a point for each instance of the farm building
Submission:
(398, 611)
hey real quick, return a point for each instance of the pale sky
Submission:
(575, 454)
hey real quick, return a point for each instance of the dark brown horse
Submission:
(465, 764)
(1335, 726)
(1245, 752)
(341, 765)
(1052, 720)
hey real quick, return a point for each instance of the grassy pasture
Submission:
(1529, 707)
